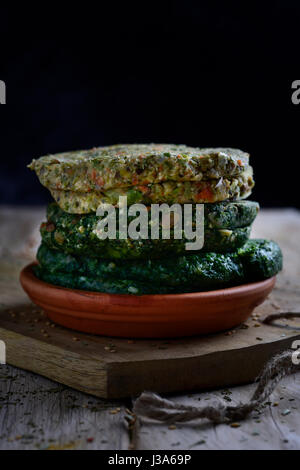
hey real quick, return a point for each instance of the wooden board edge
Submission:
(162, 376)
(67, 367)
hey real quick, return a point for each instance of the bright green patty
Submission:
(77, 234)
(257, 260)
(104, 168)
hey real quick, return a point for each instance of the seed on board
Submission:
(275, 305)
(235, 425)
(114, 412)
(107, 348)
(259, 339)
(257, 325)
(275, 404)
(172, 426)
(75, 339)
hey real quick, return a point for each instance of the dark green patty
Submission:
(230, 214)
(260, 258)
(257, 260)
(75, 234)
(109, 286)
(206, 270)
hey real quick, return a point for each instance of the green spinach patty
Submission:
(222, 215)
(207, 270)
(261, 259)
(113, 286)
(78, 234)
(256, 260)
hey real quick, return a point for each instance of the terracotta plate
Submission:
(146, 316)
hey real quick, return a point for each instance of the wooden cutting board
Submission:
(113, 368)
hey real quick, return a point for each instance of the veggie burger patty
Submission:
(226, 228)
(105, 168)
(257, 260)
(169, 192)
(80, 181)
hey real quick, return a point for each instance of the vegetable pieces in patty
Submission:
(106, 168)
(149, 173)
(169, 192)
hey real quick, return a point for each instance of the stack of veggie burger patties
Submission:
(73, 255)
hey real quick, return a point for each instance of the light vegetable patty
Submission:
(105, 168)
(169, 192)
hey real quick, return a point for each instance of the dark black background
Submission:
(200, 73)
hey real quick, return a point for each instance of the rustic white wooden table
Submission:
(36, 413)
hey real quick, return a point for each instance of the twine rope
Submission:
(151, 405)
